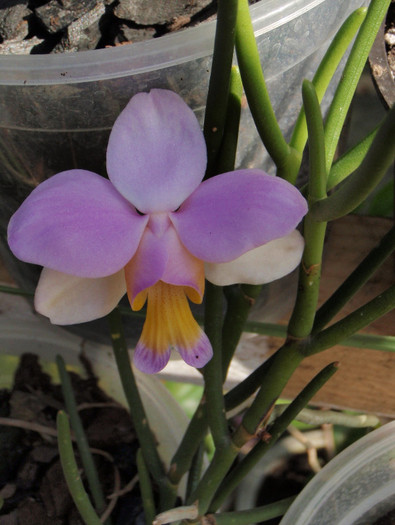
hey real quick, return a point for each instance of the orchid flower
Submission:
(149, 229)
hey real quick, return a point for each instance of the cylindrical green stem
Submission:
(355, 321)
(355, 281)
(350, 161)
(246, 517)
(256, 92)
(358, 186)
(240, 299)
(195, 471)
(71, 472)
(321, 417)
(383, 343)
(213, 477)
(315, 126)
(272, 435)
(242, 391)
(212, 372)
(82, 441)
(12, 290)
(147, 495)
(351, 75)
(137, 412)
(302, 318)
(227, 153)
(194, 435)
(325, 72)
(283, 364)
(217, 97)
(198, 425)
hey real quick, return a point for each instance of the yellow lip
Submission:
(169, 320)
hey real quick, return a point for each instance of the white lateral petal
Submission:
(66, 299)
(260, 265)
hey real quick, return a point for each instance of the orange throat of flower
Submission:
(169, 324)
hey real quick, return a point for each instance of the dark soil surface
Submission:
(388, 519)
(57, 26)
(32, 485)
(54, 26)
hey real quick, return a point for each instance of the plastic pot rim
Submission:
(122, 61)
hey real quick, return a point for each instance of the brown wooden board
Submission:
(366, 378)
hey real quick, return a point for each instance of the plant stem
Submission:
(71, 473)
(302, 318)
(195, 471)
(12, 290)
(325, 72)
(271, 435)
(242, 391)
(212, 372)
(355, 281)
(217, 97)
(182, 459)
(257, 94)
(145, 488)
(350, 161)
(198, 426)
(227, 152)
(353, 322)
(351, 75)
(212, 478)
(240, 299)
(186, 513)
(357, 186)
(384, 343)
(246, 517)
(82, 441)
(315, 126)
(323, 417)
(282, 365)
(137, 412)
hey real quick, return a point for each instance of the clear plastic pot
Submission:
(356, 488)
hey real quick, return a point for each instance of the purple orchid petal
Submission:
(235, 212)
(161, 256)
(183, 269)
(146, 267)
(66, 299)
(156, 155)
(76, 223)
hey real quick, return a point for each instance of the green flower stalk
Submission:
(302, 318)
(356, 188)
(82, 442)
(71, 472)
